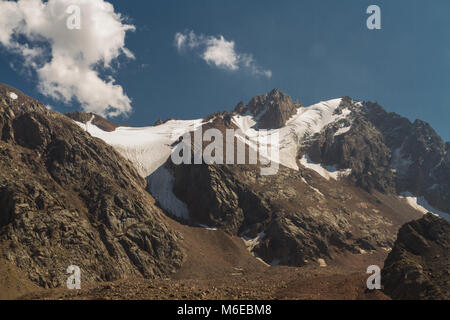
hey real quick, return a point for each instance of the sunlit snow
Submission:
(341, 131)
(160, 185)
(328, 172)
(307, 122)
(422, 205)
(148, 148)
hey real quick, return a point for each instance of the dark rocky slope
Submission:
(362, 148)
(419, 265)
(296, 224)
(386, 152)
(67, 198)
(298, 216)
(420, 158)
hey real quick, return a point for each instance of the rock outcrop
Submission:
(385, 152)
(67, 198)
(296, 217)
(418, 267)
(285, 216)
(360, 147)
(272, 109)
(419, 157)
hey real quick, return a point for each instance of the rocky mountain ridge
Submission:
(337, 204)
(67, 198)
(418, 267)
(300, 210)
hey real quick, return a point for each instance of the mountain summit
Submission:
(272, 110)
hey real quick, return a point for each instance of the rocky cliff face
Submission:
(67, 198)
(300, 216)
(418, 266)
(272, 109)
(355, 143)
(297, 217)
(285, 217)
(386, 152)
(419, 157)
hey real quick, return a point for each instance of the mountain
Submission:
(340, 191)
(67, 198)
(418, 267)
(272, 109)
(79, 189)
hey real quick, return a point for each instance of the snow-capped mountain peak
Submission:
(149, 147)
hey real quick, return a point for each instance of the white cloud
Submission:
(66, 61)
(219, 52)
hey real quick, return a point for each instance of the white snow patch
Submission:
(328, 172)
(160, 185)
(13, 96)
(252, 243)
(146, 147)
(308, 121)
(422, 205)
(341, 131)
(206, 227)
(149, 147)
(315, 189)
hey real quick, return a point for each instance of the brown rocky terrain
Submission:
(219, 266)
(295, 217)
(67, 198)
(418, 266)
(420, 159)
(279, 283)
(297, 225)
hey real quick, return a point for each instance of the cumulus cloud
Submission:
(218, 52)
(67, 61)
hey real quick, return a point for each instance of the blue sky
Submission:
(316, 50)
